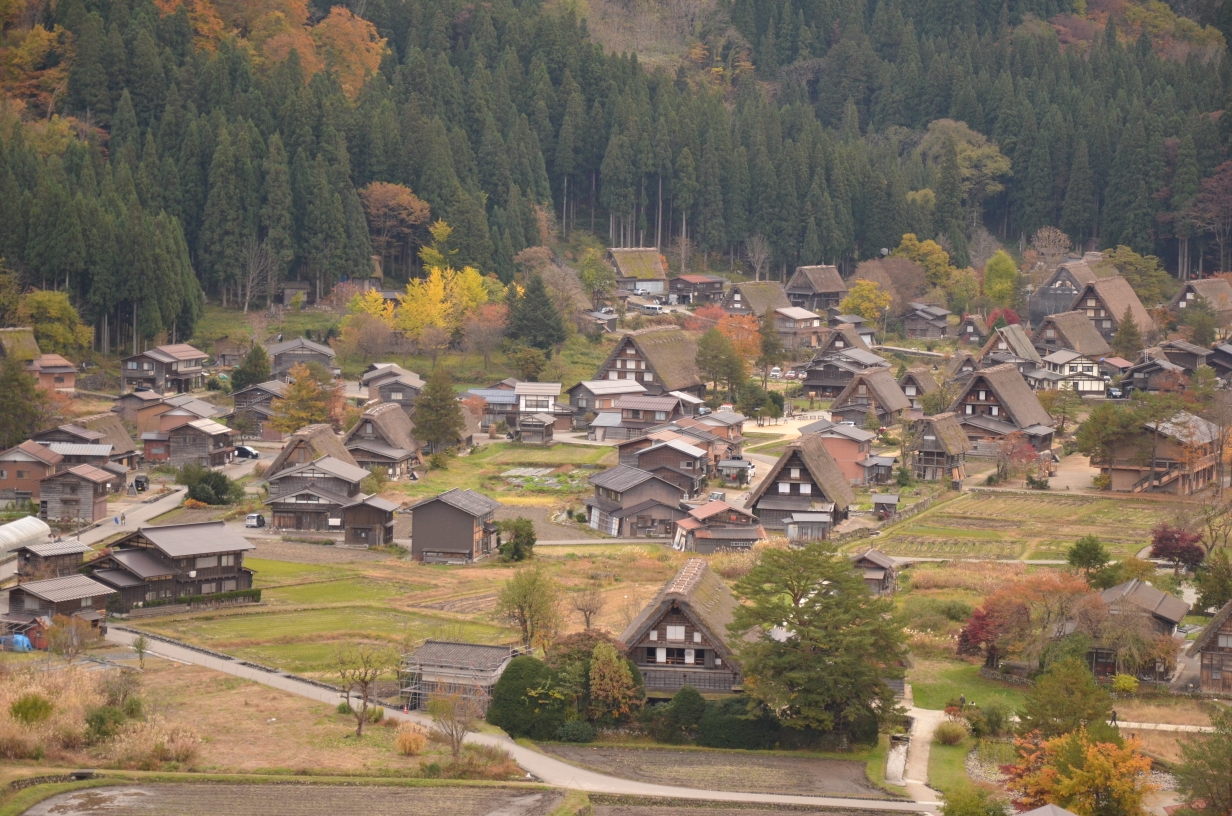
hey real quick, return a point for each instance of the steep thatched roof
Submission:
(1076, 331)
(821, 467)
(954, 367)
(699, 593)
(882, 387)
(922, 378)
(670, 352)
(19, 343)
(1211, 630)
(391, 422)
(1012, 392)
(1014, 339)
(112, 428)
(1079, 271)
(845, 331)
(758, 296)
(307, 445)
(949, 433)
(1117, 295)
(817, 279)
(976, 321)
(643, 264)
(1215, 291)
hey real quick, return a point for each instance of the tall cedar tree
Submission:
(437, 413)
(303, 403)
(534, 319)
(830, 672)
(22, 405)
(254, 369)
(1127, 341)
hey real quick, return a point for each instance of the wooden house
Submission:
(848, 445)
(680, 638)
(1009, 344)
(1188, 356)
(1076, 372)
(961, 366)
(717, 526)
(455, 527)
(171, 563)
(632, 503)
(940, 448)
(50, 559)
(289, 290)
(1217, 293)
(254, 407)
(593, 396)
(228, 353)
(537, 429)
(638, 269)
(1070, 330)
(314, 495)
(174, 369)
(924, 321)
(755, 298)
(76, 596)
(798, 328)
(22, 467)
(880, 571)
(384, 437)
(53, 373)
(499, 405)
(873, 390)
(369, 522)
(1163, 612)
(1106, 301)
(171, 412)
(113, 433)
(805, 485)
(127, 405)
(676, 461)
(816, 288)
(840, 338)
(661, 359)
(19, 342)
(541, 399)
(1154, 372)
(637, 413)
(307, 445)
(1186, 457)
(1213, 651)
(294, 352)
(863, 329)
(972, 330)
(727, 424)
(199, 442)
(690, 289)
(75, 495)
(1058, 291)
(997, 402)
(916, 384)
(441, 667)
(827, 375)
(389, 382)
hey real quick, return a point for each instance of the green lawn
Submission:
(218, 322)
(480, 470)
(769, 448)
(269, 572)
(936, 682)
(343, 591)
(947, 769)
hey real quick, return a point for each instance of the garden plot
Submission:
(726, 770)
(1010, 525)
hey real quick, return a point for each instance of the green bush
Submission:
(1125, 684)
(103, 723)
(688, 706)
(31, 708)
(133, 708)
(950, 733)
(576, 731)
(729, 724)
(997, 714)
(977, 722)
(581, 516)
(513, 710)
(375, 714)
(345, 708)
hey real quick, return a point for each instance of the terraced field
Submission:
(1009, 525)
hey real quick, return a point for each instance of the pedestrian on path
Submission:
(123, 519)
(1114, 719)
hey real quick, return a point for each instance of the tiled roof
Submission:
(78, 449)
(201, 538)
(68, 588)
(443, 654)
(468, 501)
(1143, 595)
(50, 548)
(604, 388)
(620, 478)
(39, 452)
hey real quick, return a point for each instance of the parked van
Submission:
(651, 308)
(775, 373)
(254, 520)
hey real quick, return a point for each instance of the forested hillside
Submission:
(171, 147)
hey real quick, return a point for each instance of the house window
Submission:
(86, 602)
(970, 409)
(795, 473)
(131, 365)
(367, 427)
(661, 655)
(147, 366)
(648, 377)
(675, 633)
(686, 465)
(909, 391)
(995, 410)
(21, 474)
(583, 403)
(613, 375)
(4, 474)
(395, 395)
(982, 396)
(784, 487)
(207, 561)
(1107, 324)
(1225, 641)
(688, 657)
(228, 586)
(654, 634)
(806, 489)
(209, 589)
(1050, 333)
(971, 330)
(697, 637)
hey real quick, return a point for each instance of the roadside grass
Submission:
(769, 449)
(936, 682)
(947, 765)
(1011, 525)
(17, 802)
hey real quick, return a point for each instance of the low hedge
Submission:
(253, 595)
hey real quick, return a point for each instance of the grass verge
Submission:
(20, 801)
(876, 767)
(575, 803)
(947, 765)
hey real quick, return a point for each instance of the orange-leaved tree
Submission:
(1081, 774)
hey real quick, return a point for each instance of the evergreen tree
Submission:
(437, 413)
(254, 369)
(1127, 341)
(276, 211)
(87, 81)
(948, 215)
(23, 406)
(1078, 212)
(534, 319)
(223, 230)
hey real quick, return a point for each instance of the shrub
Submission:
(410, 742)
(977, 722)
(581, 517)
(439, 461)
(344, 708)
(133, 708)
(103, 723)
(193, 504)
(1102, 482)
(375, 714)
(950, 733)
(1125, 684)
(997, 715)
(119, 686)
(1037, 484)
(688, 706)
(31, 708)
(146, 745)
(729, 724)
(431, 771)
(576, 731)
(513, 710)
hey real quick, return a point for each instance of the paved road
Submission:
(550, 770)
(135, 515)
(923, 724)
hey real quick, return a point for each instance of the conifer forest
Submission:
(153, 153)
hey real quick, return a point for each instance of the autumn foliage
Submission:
(1023, 617)
(1080, 774)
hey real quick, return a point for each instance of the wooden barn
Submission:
(441, 667)
(455, 527)
(680, 638)
(75, 495)
(939, 450)
(72, 595)
(50, 559)
(805, 485)
(816, 288)
(1213, 651)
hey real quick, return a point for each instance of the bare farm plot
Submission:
(1011, 525)
(723, 770)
